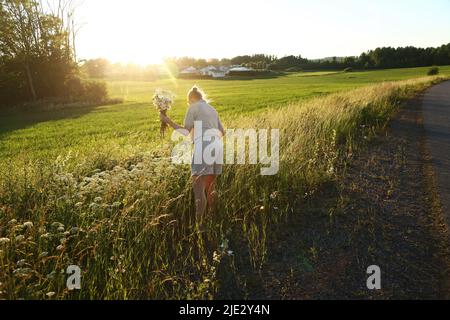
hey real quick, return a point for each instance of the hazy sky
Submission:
(144, 31)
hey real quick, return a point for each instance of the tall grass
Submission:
(129, 224)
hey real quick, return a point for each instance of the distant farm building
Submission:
(214, 72)
(206, 71)
(190, 71)
(240, 69)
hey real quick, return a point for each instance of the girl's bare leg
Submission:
(211, 194)
(200, 197)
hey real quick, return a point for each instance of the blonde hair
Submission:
(196, 94)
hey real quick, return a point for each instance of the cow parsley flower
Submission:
(45, 236)
(98, 200)
(4, 240)
(21, 263)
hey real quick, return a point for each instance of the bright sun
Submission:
(145, 32)
(140, 32)
(128, 33)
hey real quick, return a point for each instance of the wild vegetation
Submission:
(125, 215)
(86, 180)
(38, 56)
(433, 71)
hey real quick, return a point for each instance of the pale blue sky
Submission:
(144, 31)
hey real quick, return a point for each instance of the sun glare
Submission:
(145, 32)
(142, 32)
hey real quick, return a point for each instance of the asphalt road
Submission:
(436, 117)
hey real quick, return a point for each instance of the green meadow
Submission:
(133, 126)
(93, 187)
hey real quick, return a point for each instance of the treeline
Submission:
(380, 58)
(256, 61)
(404, 57)
(38, 56)
(102, 68)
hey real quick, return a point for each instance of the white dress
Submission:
(208, 145)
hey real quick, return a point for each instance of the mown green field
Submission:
(132, 127)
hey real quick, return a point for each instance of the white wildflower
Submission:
(98, 200)
(94, 206)
(57, 224)
(116, 205)
(21, 263)
(274, 195)
(163, 100)
(4, 240)
(78, 204)
(45, 236)
(28, 225)
(22, 271)
(331, 169)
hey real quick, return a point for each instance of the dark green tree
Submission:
(37, 51)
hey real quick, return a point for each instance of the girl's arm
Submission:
(221, 128)
(175, 126)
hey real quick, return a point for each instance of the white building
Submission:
(218, 74)
(207, 70)
(240, 69)
(190, 71)
(214, 72)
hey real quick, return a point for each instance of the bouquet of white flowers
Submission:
(163, 100)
